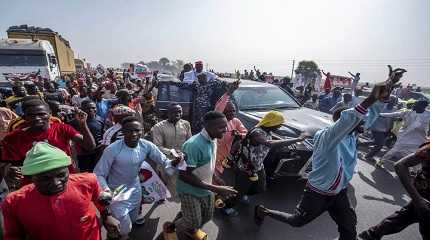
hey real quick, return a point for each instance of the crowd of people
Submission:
(70, 148)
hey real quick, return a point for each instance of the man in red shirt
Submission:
(16, 144)
(64, 203)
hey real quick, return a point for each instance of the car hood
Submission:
(302, 119)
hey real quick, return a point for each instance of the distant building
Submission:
(80, 64)
(62, 48)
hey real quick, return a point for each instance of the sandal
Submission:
(200, 235)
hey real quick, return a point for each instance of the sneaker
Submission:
(230, 212)
(366, 235)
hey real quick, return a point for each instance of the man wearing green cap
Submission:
(56, 205)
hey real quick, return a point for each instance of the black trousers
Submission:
(313, 204)
(400, 220)
(246, 187)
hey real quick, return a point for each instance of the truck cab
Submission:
(20, 57)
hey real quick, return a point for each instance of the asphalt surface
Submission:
(374, 194)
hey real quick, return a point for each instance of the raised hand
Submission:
(13, 177)
(234, 86)
(395, 75)
(81, 116)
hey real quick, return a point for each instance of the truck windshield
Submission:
(12, 60)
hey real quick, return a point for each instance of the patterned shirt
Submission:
(253, 156)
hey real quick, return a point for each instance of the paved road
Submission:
(374, 194)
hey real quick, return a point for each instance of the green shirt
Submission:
(201, 154)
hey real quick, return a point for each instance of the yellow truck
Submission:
(63, 51)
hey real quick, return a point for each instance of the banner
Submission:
(341, 81)
(153, 189)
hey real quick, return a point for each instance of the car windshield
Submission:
(263, 98)
(22, 60)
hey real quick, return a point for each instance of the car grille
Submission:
(309, 143)
(292, 147)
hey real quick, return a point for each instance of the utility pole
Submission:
(292, 70)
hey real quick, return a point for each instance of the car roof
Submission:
(249, 83)
(167, 78)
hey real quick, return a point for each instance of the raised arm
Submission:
(222, 102)
(323, 73)
(352, 75)
(399, 114)
(86, 140)
(349, 119)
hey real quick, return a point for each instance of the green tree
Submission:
(164, 61)
(308, 69)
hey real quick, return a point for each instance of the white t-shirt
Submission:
(415, 127)
(191, 76)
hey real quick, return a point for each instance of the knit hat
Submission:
(44, 157)
(271, 119)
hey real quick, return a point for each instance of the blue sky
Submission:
(359, 36)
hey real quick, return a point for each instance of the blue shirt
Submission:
(335, 153)
(327, 102)
(103, 107)
(373, 114)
